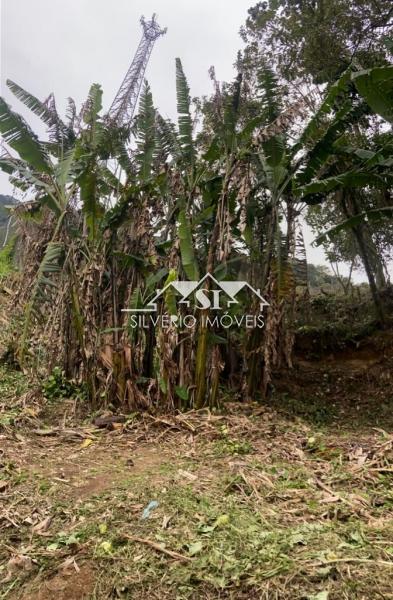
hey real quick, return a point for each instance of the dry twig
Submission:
(157, 547)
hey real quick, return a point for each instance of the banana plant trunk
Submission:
(202, 345)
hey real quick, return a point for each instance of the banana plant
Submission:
(68, 169)
(370, 168)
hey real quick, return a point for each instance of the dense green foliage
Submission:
(318, 39)
(120, 212)
(309, 43)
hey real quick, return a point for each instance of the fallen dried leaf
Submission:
(43, 526)
(86, 443)
(187, 475)
(3, 485)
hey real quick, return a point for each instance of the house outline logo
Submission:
(186, 288)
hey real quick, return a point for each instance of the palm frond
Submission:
(23, 177)
(376, 87)
(231, 112)
(91, 205)
(312, 131)
(375, 214)
(146, 137)
(184, 114)
(167, 142)
(300, 258)
(270, 93)
(46, 111)
(90, 115)
(351, 179)
(111, 180)
(71, 113)
(317, 156)
(274, 146)
(50, 266)
(64, 167)
(93, 104)
(17, 133)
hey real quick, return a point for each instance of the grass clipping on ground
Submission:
(192, 506)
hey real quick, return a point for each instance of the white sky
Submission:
(63, 46)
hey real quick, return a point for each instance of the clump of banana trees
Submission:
(115, 213)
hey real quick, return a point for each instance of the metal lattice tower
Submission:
(124, 104)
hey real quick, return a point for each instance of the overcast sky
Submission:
(63, 46)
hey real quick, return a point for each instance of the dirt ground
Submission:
(291, 499)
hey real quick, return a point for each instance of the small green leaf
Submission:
(221, 521)
(106, 547)
(194, 548)
(182, 392)
(163, 385)
(320, 596)
(153, 279)
(52, 547)
(213, 152)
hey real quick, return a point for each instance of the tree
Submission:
(310, 43)
(318, 39)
